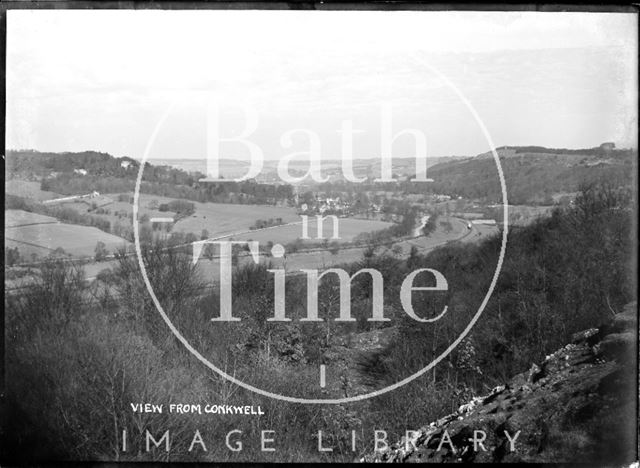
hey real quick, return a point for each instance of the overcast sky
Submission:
(101, 80)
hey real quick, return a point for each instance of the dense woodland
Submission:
(531, 177)
(105, 174)
(77, 357)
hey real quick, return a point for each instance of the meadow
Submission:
(27, 250)
(321, 259)
(15, 218)
(348, 229)
(28, 189)
(76, 240)
(220, 219)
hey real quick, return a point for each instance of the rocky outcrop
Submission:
(579, 405)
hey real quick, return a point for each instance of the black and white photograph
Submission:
(319, 233)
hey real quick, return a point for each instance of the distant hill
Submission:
(533, 174)
(362, 167)
(229, 168)
(34, 164)
(89, 171)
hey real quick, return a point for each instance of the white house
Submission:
(80, 171)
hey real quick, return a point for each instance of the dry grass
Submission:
(28, 189)
(15, 218)
(222, 218)
(348, 229)
(74, 239)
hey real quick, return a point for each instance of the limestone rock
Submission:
(578, 405)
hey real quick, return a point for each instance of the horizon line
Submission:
(629, 148)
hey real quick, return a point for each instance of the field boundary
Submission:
(32, 245)
(32, 224)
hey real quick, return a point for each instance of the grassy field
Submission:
(221, 219)
(26, 250)
(325, 259)
(348, 229)
(121, 211)
(15, 218)
(28, 189)
(218, 219)
(480, 232)
(74, 239)
(210, 269)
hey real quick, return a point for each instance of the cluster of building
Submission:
(322, 205)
